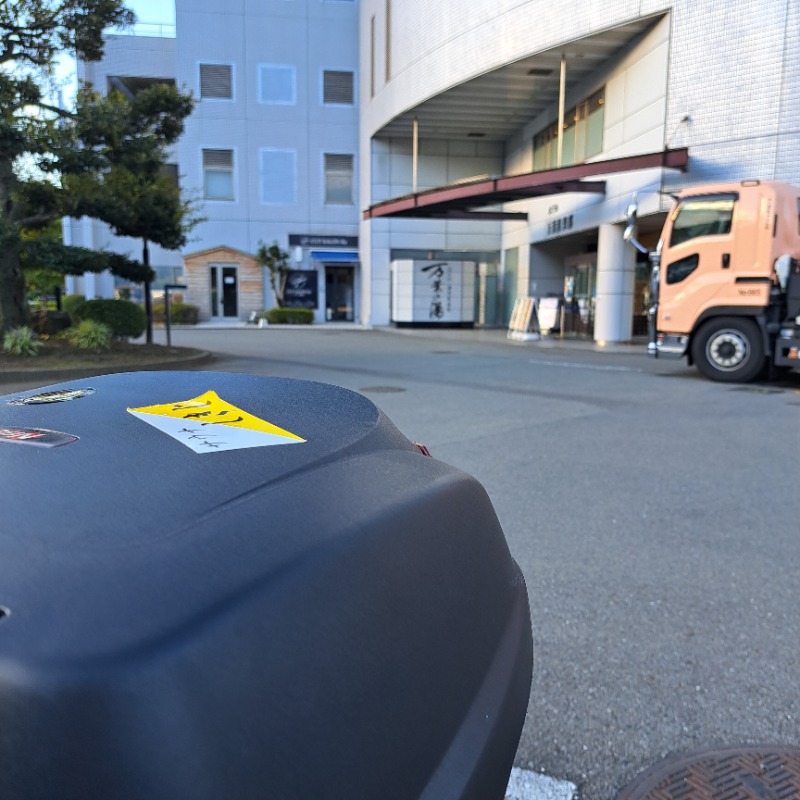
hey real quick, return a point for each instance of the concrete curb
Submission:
(76, 373)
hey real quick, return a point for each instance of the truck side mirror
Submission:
(783, 266)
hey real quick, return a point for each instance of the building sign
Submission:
(436, 286)
(304, 240)
(301, 289)
(433, 292)
(560, 225)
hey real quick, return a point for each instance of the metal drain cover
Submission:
(768, 772)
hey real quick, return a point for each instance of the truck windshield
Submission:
(709, 215)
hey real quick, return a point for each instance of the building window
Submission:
(338, 179)
(216, 82)
(388, 40)
(277, 84)
(218, 174)
(170, 171)
(372, 57)
(278, 171)
(131, 86)
(582, 135)
(337, 87)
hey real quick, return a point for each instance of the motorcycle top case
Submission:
(219, 586)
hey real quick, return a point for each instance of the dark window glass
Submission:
(709, 215)
(682, 269)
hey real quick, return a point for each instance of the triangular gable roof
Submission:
(219, 248)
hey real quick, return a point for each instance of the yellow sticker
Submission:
(208, 423)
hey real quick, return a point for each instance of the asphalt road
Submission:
(655, 515)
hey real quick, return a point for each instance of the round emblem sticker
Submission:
(58, 396)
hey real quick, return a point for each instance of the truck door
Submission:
(697, 257)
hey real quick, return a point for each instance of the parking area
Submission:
(654, 515)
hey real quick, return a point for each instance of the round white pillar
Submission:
(616, 271)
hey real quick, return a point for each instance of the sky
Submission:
(161, 11)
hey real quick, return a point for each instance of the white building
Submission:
(271, 148)
(495, 142)
(473, 87)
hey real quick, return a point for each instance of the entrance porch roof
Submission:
(466, 200)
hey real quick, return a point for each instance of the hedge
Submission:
(71, 303)
(125, 319)
(179, 313)
(289, 316)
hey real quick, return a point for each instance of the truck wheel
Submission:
(729, 349)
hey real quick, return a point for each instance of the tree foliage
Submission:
(104, 159)
(276, 261)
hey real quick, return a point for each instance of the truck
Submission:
(725, 280)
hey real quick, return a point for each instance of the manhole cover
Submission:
(741, 773)
(382, 389)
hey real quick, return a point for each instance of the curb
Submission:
(77, 373)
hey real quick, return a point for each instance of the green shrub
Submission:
(289, 316)
(89, 334)
(179, 313)
(125, 319)
(71, 303)
(21, 341)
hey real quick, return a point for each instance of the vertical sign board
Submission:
(437, 291)
(301, 290)
(433, 292)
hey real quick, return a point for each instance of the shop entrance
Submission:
(339, 293)
(223, 280)
(580, 292)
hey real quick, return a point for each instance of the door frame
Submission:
(220, 266)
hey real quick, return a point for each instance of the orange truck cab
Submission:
(725, 286)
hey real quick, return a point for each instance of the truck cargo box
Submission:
(218, 586)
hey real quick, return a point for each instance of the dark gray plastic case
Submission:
(333, 618)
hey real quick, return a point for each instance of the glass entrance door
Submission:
(580, 291)
(339, 294)
(223, 281)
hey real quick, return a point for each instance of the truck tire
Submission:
(729, 349)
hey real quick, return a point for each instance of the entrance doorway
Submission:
(580, 293)
(339, 294)
(223, 280)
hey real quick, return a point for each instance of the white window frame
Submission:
(232, 98)
(234, 176)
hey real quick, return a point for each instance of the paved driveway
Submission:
(655, 515)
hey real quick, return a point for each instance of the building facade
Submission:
(323, 125)
(270, 150)
(454, 93)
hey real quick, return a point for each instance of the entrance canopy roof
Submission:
(495, 104)
(463, 200)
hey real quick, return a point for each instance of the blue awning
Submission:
(334, 255)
